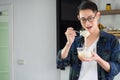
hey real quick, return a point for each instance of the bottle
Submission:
(108, 6)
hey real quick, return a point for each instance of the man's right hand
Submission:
(70, 35)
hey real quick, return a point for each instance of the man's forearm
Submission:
(65, 51)
(104, 64)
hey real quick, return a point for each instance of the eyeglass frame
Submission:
(87, 19)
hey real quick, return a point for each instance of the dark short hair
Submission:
(88, 5)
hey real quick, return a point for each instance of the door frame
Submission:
(9, 8)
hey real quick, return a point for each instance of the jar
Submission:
(108, 6)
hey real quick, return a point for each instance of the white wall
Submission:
(34, 39)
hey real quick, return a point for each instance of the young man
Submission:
(104, 64)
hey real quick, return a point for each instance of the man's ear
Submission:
(78, 17)
(98, 15)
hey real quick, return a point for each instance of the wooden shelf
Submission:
(110, 12)
(116, 33)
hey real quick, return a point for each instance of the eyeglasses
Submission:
(90, 19)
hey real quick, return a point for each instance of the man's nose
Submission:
(87, 22)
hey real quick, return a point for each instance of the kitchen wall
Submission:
(109, 21)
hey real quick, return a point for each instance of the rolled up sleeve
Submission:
(114, 69)
(62, 63)
(115, 59)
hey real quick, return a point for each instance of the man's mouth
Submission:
(89, 27)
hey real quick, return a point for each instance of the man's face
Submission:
(88, 19)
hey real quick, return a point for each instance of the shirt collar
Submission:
(103, 34)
